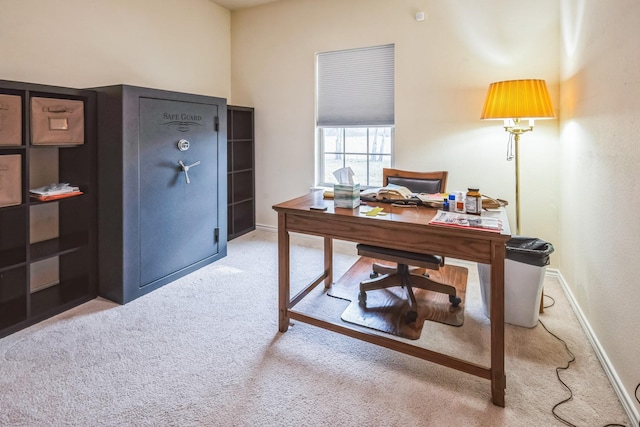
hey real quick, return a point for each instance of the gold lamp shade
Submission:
(518, 99)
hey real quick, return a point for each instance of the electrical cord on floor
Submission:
(637, 398)
(553, 302)
(558, 369)
(564, 368)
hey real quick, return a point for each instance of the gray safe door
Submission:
(178, 186)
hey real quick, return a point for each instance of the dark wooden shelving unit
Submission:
(240, 170)
(73, 249)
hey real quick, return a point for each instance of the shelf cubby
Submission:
(74, 282)
(13, 296)
(13, 237)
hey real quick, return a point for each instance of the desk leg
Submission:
(328, 262)
(284, 275)
(498, 379)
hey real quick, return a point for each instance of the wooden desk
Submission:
(401, 228)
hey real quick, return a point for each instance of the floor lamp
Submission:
(514, 101)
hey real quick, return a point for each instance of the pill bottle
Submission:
(460, 202)
(473, 202)
(445, 205)
(452, 202)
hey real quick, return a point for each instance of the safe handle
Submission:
(185, 169)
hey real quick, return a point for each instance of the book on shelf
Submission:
(56, 196)
(461, 220)
(54, 192)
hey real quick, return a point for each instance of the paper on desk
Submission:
(477, 222)
(344, 176)
(431, 197)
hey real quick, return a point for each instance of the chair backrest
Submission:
(417, 182)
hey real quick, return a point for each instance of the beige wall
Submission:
(180, 45)
(599, 175)
(443, 68)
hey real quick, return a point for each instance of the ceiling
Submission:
(240, 4)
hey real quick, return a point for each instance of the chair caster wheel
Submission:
(412, 316)
(373, 275)
(454, 300)
(362, 298)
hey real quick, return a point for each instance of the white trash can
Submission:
(524, 271)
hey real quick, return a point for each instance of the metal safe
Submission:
(162, 187)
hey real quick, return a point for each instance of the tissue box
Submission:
(346, 196)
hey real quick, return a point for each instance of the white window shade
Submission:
(356, 87)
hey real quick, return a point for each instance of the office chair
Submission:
(403, 275)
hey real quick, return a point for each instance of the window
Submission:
(365, 150)
(355, 104)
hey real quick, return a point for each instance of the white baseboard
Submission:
(625, 398)
(343, 244)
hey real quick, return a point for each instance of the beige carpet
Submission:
(205, 351)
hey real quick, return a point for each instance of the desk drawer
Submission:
(411, 237)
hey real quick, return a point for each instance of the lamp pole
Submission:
(517, 138)
(516, 130)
